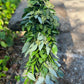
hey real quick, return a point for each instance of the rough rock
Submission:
(14, 23)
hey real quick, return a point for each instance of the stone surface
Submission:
(71, 44)
(14, 23)
(73, 65)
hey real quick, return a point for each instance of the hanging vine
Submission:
(41, 25)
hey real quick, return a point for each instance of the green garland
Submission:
(40, 23)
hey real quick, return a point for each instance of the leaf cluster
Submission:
(3, 68)
(41, 25)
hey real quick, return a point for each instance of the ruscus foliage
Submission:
(41, 25)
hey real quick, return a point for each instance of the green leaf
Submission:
(49, 38)
(1, 61)
(9, 41)
(29, 39)
(26, 81)
(2, 74)
(25, 47)
(54, 49)
(28, 28)
(47, 80)
(41, 45)
(44, 71)
(60, 73)
(40, 60)
(37, 55)
(47, 49)
(40, 37)
(40, 20)
(33, 47)
(34, 53)
(36, 16)
(3, 44)
(54, 79)
(36, 68)
(51, 70)
(49, 5)
(31, 76)
(43, 55)
(32, 67)
(0, 68)
(17, 78)
(2, 35)
(58, 64)
(40, 80)
(51, 82)
(5, 68)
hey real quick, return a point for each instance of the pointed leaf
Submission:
(31, 76)
(54, 49)
(41, 45)
(47, 49)
(25, 47)
(53, 72)
(3, 44)
(40, 80)
(1, 61)
(40, 20)
(60, 74)
(47, 80)
(34, 47)
(26, 81)
(36, 16)
(51, 82)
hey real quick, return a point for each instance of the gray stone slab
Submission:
(14, 23)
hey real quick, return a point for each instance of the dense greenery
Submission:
(7, 8)
(40, 21)
(3, 67)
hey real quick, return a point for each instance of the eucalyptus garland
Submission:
(41, 25)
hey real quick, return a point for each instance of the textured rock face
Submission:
(14, 23)
(70, 41)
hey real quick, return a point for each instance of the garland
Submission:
(40, 23)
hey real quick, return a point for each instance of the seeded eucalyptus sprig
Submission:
(40, 23)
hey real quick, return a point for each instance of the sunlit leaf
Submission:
(54, 49)
(26, 81)
(40, 20)
(40, 80)
(53, 72)
(3, 44)
(25, 47)
(41, 45)
(47, 80)
(31, 76)
(47, 49)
